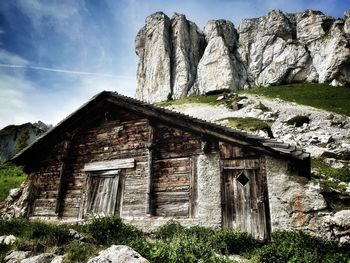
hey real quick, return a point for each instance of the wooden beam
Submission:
(110, 165)
(60, 189)
(150, 170)
(193, 188)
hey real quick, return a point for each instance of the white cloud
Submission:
(22, 101)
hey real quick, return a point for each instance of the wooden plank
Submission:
(110, 165)
(150, 171)
(66, 146)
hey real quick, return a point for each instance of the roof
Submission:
(265, 145)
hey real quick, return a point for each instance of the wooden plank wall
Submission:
(123, 135)
(173, 171)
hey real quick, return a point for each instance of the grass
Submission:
(332, 176)
(171, 242)
(248, 124)
(11, 176)
(206, 99)
(321, 96)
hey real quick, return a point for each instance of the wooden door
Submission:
(103, 193)
(245, 197)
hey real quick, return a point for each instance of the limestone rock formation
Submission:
(153, 46)
(169, 51)
(219, 68)
(270, 50)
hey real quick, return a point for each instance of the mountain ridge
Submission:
(177, 59)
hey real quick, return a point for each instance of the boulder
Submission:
(16, 256)
(118, 254)
(7, 240)
(57, 259)
(42, 258)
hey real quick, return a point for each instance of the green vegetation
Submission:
(249, 124)
(78, 251)
(331, 176)
(298, 120)
(22, 141)
(11, 176)
(262, 107)
(207, 99)
(173, 242)
(322, 96)
(301, 248)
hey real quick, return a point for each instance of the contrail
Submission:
(66, 71)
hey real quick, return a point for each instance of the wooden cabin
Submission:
(120, 156)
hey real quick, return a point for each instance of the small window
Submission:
(242, 179)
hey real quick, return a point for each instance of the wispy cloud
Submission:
(74, 72)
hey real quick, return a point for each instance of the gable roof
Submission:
(264, 145)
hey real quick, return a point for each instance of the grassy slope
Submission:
(10, 177)
(322, 96)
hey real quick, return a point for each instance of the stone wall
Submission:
(295, 201)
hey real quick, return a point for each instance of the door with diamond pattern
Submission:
(245, 202)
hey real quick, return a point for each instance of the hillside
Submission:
(275, 112)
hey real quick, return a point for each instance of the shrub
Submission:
(170, 229)
(298, 247)
(79, 251)
(298, 120)
(231, 241)
(49, 233)
(16, 227)
(180, 248)
(107, 230)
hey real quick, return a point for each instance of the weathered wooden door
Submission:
(245, 197)
(103, 193)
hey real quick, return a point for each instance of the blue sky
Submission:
(57, 54)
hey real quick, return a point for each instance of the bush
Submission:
(50, 234)
(180, 248)
(298, 247)
(234, 242)
(79, 252)
(298, 120)
(107, 230)
(170, 229)
(16, 227)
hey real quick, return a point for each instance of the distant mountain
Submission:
(10, 135)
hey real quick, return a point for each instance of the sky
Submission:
(57, 54)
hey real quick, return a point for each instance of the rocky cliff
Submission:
(10, 135)
(177, 59)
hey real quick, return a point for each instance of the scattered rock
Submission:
(15, 192)
(118, 254)
(76, 235)
(298, 120)
(42, 258)
(57, 259)
(7, 240)
(16, 256)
